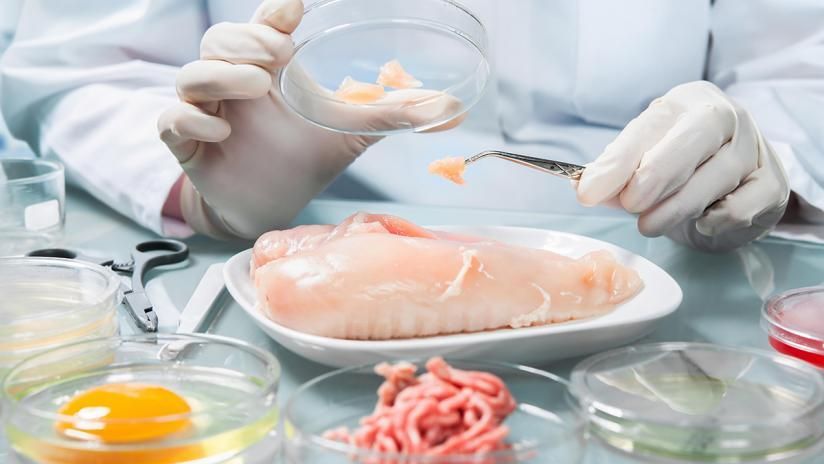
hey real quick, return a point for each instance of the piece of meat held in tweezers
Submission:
(381, 277)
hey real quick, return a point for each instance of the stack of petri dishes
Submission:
(48, 302)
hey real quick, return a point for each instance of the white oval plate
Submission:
(533, 345)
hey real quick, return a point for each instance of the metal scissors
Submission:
(144, 257)
(558, 168)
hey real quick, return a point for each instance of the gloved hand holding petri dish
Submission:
(263, 126)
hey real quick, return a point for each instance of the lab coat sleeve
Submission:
(85, 81)
(768, 55)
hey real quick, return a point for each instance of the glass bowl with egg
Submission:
(144, 399)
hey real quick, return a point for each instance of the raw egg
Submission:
(124, 413)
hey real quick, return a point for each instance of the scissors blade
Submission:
(141, 311)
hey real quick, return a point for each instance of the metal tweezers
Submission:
(558, 168)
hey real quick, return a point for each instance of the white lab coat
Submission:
(85, 81)
(9, 12)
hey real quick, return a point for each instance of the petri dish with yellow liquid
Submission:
(153, 398)
(379, 67)
(47, 302)
(693, 402)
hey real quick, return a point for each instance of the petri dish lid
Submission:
(687, 402)
(796, 320)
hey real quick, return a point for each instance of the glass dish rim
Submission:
(313, 93)
(57, 169)
(113, 282)
(590, 405)
(767, 314)
(272, 363)
(572, 431)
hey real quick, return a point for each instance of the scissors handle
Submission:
(154, 253)
(69, 254)
(147, 256)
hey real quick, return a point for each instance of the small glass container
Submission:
(544, 428)
(794, 322)
(230, 387)
(32, 205)
(440, 42)
(693, 402)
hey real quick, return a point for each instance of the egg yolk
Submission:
(124, 413)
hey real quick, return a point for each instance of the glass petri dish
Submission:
(229, 385)
(32, 204)
(794, 322)
(52, 301)
(693, 402)
(545, 427)
(440, 42)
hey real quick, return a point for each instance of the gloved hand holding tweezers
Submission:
(693, 166)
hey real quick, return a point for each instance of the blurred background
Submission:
(9, 12)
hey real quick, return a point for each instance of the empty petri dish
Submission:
(692, 402)
(439, 42)
(794, 321)
(545, 426)
(155, 398)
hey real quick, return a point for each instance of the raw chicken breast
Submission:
(381, 277)
(279, 243)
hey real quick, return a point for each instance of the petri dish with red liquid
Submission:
(794, 322)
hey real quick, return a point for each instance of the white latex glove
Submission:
(251, 164)
(694, 167)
